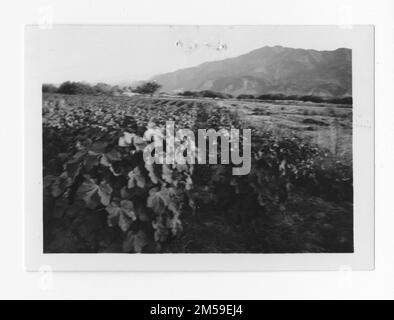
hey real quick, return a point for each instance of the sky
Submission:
(122, 54)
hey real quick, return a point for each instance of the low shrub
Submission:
(246, 96)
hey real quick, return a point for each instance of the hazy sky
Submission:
(116, 54)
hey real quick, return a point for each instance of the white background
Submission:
(16, 283)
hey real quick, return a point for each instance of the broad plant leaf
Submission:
(126, 140)
(93, 193)
(121, 214)
(135, 241)
(136, 178)
(156, 202)
(60, 185)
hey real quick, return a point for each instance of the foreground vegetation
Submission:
(100, 196)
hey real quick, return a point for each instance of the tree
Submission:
(148, 88)
(49, 88)
(75, 88)
(102, 88)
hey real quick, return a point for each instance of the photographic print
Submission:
(195, 139)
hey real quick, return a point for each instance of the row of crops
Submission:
(100, 195)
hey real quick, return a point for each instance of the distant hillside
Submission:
(270, 70)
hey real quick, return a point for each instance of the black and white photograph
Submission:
(208, 153)
(196, 139)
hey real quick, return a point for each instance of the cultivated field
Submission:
(99, 196)
(328, 126)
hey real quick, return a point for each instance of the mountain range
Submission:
(269, 70)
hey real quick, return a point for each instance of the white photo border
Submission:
(361, 41)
